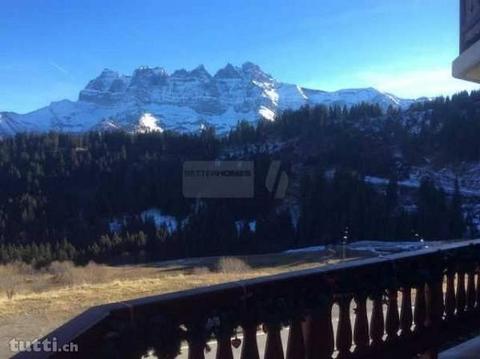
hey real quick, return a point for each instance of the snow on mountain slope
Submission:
(11, 123)
(152, 100)
(351, 97)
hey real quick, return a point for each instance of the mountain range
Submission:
(153, 100)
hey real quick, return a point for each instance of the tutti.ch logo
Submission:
(276, 181)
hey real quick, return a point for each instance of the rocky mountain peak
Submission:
(146, 76)
(201, 72)
(103, 81)
(228, 72)
(254, 72)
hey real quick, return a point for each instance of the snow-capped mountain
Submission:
(153, 100)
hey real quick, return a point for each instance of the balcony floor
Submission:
(467, 350)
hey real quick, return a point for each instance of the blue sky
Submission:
(50, 49)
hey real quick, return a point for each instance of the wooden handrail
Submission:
(302, 300)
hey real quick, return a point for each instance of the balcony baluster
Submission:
(360, 333)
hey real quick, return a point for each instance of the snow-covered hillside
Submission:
(152, 100)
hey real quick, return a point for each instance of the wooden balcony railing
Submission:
(469, 23)
(397, 306)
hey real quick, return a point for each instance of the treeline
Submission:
(328, 207)
(439, 132)
(347, 203)
(453, 128)
(57, 186)
(60, 193)
(333, 137)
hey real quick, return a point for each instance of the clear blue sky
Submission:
(50, 49)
